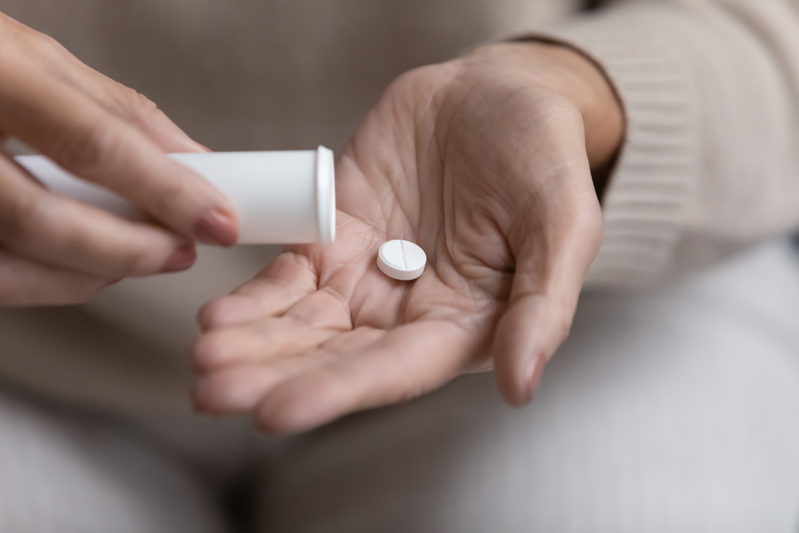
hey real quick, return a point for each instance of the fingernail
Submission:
(216, 227)
(535, 377)
(181, 259)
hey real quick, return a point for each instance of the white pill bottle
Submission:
(286, 197)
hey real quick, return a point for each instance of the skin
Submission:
(56, 251)
(486, 163)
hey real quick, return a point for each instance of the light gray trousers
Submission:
(675, 410)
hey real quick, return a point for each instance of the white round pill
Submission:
(401, 260)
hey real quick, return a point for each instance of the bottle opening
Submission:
(326, 194)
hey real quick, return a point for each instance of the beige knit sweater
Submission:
(709, 165)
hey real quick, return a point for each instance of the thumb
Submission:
(553, 253)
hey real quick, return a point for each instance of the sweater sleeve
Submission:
(709, 162)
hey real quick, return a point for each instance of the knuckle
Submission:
(18, 222)
(170, 194)
(87, 150)
(138, 107)
(49, 50)
(39, 47)
(20, 39)
(144, 105)
(12, 31)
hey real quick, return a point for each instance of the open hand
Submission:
(484, 162)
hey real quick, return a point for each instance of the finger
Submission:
(24, 282)
(550, 271)
(90, 142)
(121, 100)
(46, 228)
(260, 342)
(400, 365)
(325, 309)
(241, 388)
(275, 289)
(231, 391)
(136, 109)
(228, 312)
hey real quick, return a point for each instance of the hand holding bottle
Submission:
(57, 251)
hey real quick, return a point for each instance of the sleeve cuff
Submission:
(647, 198)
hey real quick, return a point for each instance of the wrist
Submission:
(571, 74)
(580, 80)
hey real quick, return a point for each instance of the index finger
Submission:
(281, 284)
(91, 142)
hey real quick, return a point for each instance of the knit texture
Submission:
(704, 170)
(645, 202)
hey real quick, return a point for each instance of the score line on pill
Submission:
(401, 260)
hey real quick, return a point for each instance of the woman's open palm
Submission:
(483, 166)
